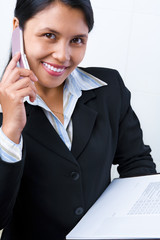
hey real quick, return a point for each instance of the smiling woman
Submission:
(62, 127)
(58, 47)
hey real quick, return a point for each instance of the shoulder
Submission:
(115, 88)
(105, 74)
(110, 76)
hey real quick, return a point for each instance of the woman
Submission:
(63, 127)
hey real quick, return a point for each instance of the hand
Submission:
(16, 84)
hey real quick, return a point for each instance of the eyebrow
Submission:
(54, 31)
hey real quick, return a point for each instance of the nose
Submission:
(61, 52)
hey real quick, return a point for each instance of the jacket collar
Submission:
(39, 128)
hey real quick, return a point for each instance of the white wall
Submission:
(6, 16)
(126, 37)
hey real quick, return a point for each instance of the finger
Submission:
(18, 73)
(23, 83)
(13, 62)
(12, 90)
(22, 73)
(27, 92)
(28, 73)
(17, 96)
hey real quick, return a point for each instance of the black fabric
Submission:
(39, 197)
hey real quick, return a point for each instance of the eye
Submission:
(77, 40)
(50, 35)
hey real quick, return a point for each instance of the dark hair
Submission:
(26, 9)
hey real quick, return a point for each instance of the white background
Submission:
(126, 37)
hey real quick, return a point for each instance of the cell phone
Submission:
(18, 46)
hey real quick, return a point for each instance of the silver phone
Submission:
(18, 46)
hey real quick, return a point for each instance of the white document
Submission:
(128, 209)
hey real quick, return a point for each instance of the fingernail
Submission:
(35, 77)
(16, 53)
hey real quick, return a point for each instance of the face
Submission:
(55, 42)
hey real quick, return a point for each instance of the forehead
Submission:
(59, 14)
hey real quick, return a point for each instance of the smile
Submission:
(54, 69)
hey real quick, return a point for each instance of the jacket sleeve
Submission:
(132, 155)
(10, 179)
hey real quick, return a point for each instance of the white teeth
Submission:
(53, 68)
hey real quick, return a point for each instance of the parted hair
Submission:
(26, 9)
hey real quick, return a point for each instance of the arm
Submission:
(16, 84)
(132, 156)
(10, 179)
(11, 169)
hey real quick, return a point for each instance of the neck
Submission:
(54, 100)
(49, 93)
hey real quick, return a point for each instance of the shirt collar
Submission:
(80, 80)
(77, 81)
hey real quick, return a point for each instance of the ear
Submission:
(15, 22)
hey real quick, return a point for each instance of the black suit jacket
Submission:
(46, 194)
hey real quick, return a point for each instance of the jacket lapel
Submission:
(83, 122)
(40, 129)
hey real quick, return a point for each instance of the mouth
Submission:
(54, 69)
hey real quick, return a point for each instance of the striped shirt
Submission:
(77, 81)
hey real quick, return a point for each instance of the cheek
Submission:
(35, 52)
(34, 57)
(79, 55)
(33, 49)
